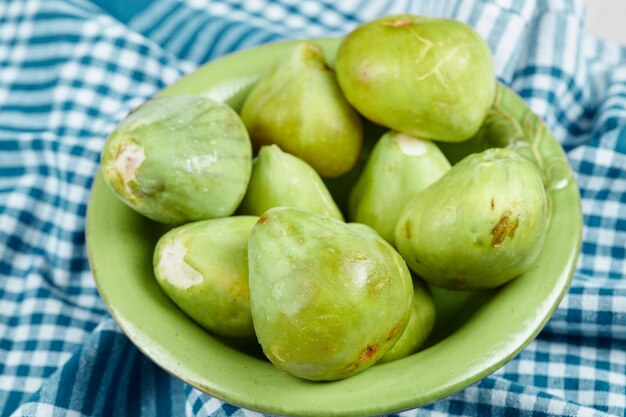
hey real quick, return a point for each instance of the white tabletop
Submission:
(605, 19)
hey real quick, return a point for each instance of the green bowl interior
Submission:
(475, 333)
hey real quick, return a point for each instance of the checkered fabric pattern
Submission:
(70, 70)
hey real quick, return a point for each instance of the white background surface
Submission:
(607, 19)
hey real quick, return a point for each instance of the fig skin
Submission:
(399, 167)
(328, 299)
(281, 179)
(203, 268)
(480, 225)
(299, 107)
(365, 228)
(179, 159)
(421, 323)
(428, 77)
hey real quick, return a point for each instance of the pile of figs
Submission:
(259, 249)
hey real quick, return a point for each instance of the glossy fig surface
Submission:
(280, 179)
(480, 225)
(179, 159)
(328, 299)
(428, 77)
(203, 268)
(399, 167)
(418, 328)
(299, 107)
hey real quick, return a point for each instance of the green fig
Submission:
(428, 77)
(203, 268)
(340, 187)
(281, 179)
(179, 159)
(364, 228)
(328, 299)
(480, 225)
(420, 324)
(300, 108)
(399, 167)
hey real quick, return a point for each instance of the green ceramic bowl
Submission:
(475, 334)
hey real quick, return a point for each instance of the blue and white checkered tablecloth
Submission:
(70, 70)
